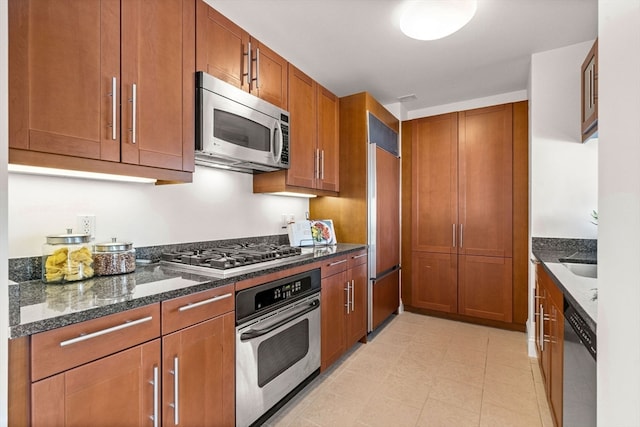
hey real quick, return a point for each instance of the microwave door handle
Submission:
(277, 136)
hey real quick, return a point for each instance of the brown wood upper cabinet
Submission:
(462, 213)
(314, 141)
(108, 81)
(589, 77)
(226, 51)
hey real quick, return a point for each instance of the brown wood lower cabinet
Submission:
(204, 357)
(103, 373)
(115, 390)
(549, 339)
(343, 305)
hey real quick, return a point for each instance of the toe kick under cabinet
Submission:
(140, 367)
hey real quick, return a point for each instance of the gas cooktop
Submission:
(226, 260)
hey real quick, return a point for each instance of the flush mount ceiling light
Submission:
(435, 19)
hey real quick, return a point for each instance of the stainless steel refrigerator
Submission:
(383, 229)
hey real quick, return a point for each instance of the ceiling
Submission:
(350, 46)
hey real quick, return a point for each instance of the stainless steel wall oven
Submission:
(277, 344)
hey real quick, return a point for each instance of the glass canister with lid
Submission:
(114, 257)
(67, 258)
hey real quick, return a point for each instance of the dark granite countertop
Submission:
(578, 291)
(37, 307)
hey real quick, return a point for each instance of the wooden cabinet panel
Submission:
(357, 313)
(220, 46)
(188, 310)
(314, 141)
(333, 265)
(204, 355)
(53, 44)
(485, 181)
(589, 98)
(435, 183)
(271, 74)
(388, 225)
(229, 53)
(386, 297)
(550, 340)
(484, 287)
(328, 139)
(303, 130)
(435, 281)
(58, 119)
(157, 59)
(333, 299)
(461, 205)
(95, 338)
(115, 390)
(557, 362)
(344, 306)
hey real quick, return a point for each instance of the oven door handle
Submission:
(255, 333)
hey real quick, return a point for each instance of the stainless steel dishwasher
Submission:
(579, 371)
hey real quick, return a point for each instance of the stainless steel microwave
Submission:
(237, 130)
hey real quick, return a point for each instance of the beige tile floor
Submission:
(425, 371)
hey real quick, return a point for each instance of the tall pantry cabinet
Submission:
(459, 212)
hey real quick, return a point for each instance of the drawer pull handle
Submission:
(125, 325)
(337, 263)
(203, 302)
(359, 256)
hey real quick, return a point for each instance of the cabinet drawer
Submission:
(64, 348)
(357, 258)
(188, 310)
(333, 265)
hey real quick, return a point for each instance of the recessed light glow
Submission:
(292, 194)
(435, 19)
(36, 170)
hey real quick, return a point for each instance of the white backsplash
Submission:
(216, 205)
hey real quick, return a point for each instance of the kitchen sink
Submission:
(584, 270)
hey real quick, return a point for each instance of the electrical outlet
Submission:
(87, 225)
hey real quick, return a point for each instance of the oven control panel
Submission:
(282, 292)
(257, 300)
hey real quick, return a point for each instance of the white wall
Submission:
(619, 203)
(4, 308)
(564, 177)
(216, 205)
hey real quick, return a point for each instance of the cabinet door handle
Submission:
(347, 289)
(461, 235)
(541, 326)
(322, 164)
(358, 256)
(257, 68)
(125, 325)
(114, 101)
(174, 405)
(203, 302)
(249, 64)
(317, 163)
(453, 227)
(337, 262)
(353, 296)
(155, 417)
(134, 101)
